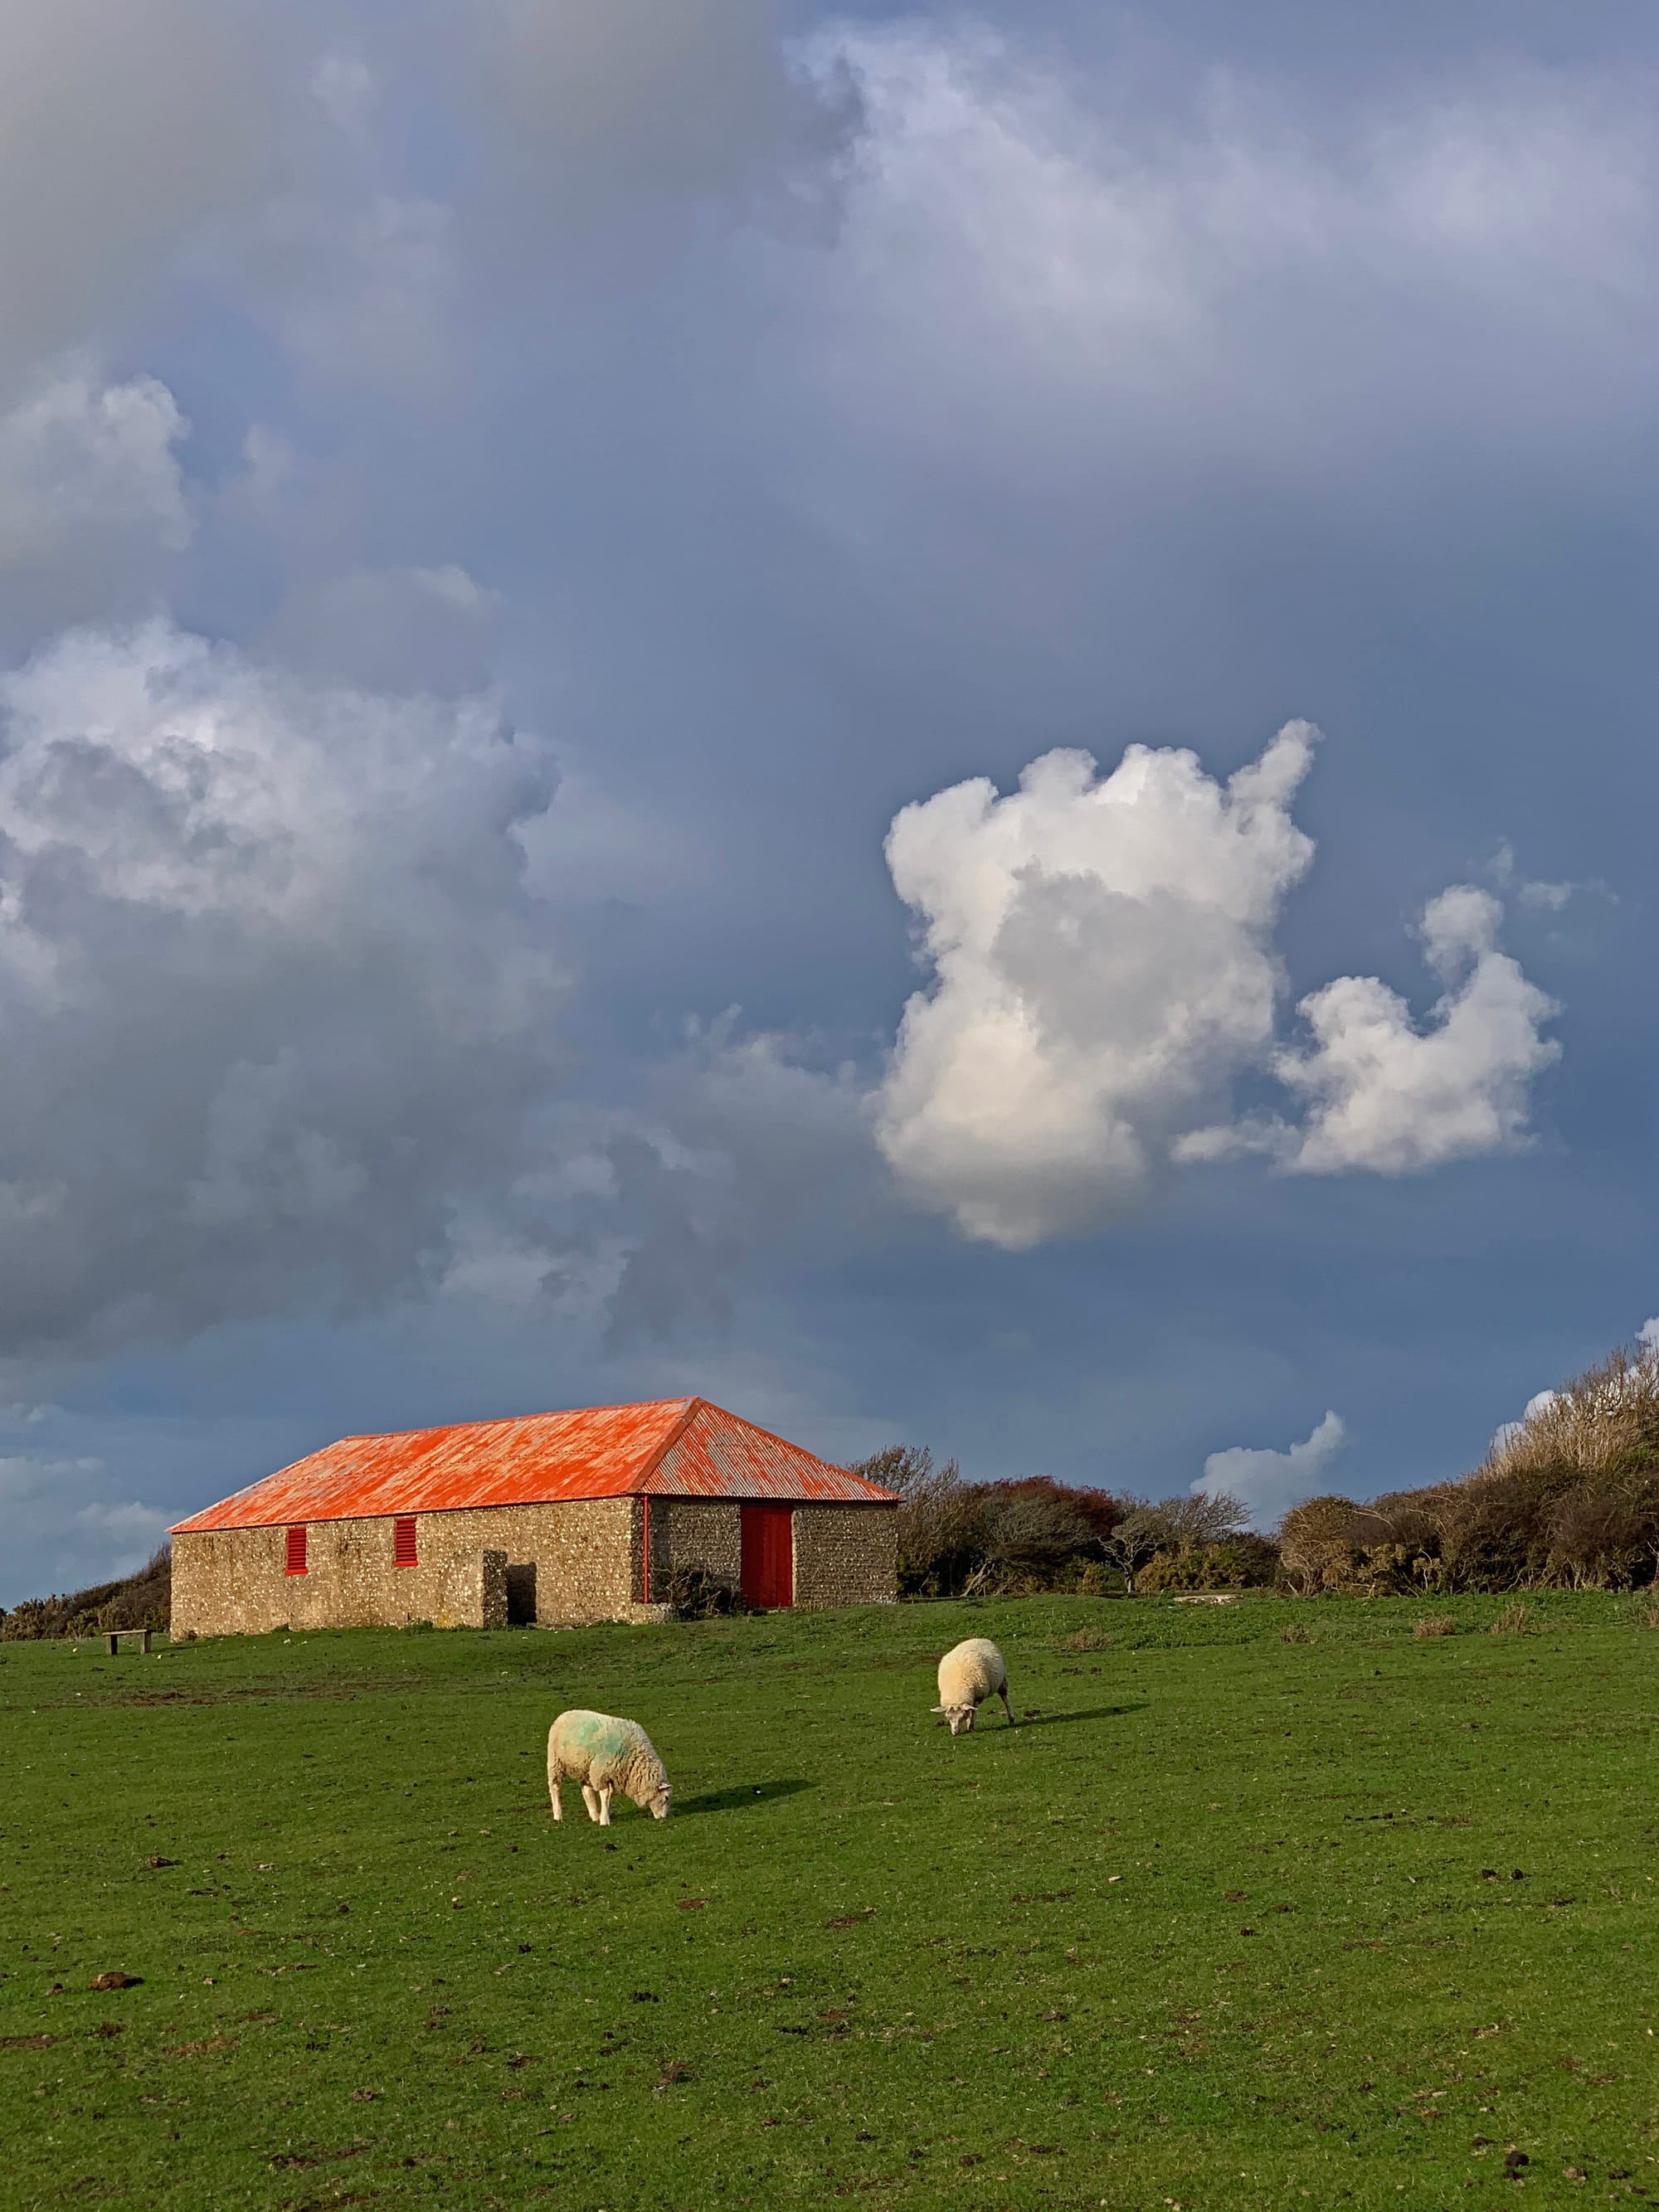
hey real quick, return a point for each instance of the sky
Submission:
(937, 722)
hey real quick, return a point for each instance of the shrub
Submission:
(693, 1591)
(1032, 1532)
(1313, 1546)
(1197, 1540)
(1604, 1422)
(1243, 1563)
(957, 1538)
(1442, 1625)
(1596, 1538)
(1568, 1498)
(1513, 1620)
(143, 1600)
(1096, 1579)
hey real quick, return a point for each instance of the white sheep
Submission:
(605, 1754)
(973, 1671)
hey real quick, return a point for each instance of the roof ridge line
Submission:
(668, 1444)
(789, 1443)
(481, 1421)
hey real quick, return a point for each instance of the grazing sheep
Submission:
(605, 1754)
(973, 1671)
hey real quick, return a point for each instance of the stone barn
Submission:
(560, 1518)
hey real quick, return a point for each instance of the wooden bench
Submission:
(115, 1637)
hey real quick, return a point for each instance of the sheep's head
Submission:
(961, 1717)
(657, 1803)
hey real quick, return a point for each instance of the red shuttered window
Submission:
(402, 1541)
(296, 1552)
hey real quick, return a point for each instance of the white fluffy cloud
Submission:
(1104, 969)
(90, 494)
(276, 1001)
(1384, 1094)
(1270, 1482)
(1104, 965)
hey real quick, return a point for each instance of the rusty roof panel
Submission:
(673, 1447)
(716, 1455)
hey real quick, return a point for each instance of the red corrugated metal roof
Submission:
(672, 1448)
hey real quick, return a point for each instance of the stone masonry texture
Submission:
(560, 1564)
(846, 1555)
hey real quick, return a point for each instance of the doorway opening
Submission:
(521, 1595)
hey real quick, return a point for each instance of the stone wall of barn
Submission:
(690, 1532)
(846, 1555)
(234, 1582)
(486, 1566)
(476, 1567)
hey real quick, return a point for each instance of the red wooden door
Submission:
(768, 1555)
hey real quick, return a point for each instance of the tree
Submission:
(1175, 1526)
(904, 1468)
(1135, 1541)
(1032, 1529)
(940, 1534)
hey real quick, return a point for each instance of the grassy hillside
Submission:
(1233, 1923)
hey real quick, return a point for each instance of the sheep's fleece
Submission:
(969, 1673)
(605, 1754)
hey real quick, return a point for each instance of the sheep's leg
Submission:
(590, 1798)
(604, 1806)
(553, 1792)
(1006, 1707)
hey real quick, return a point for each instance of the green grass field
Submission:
(1231, 1922)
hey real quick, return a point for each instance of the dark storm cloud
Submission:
(277, 999)
(599, 117)
(121, 131)
(795, 431)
